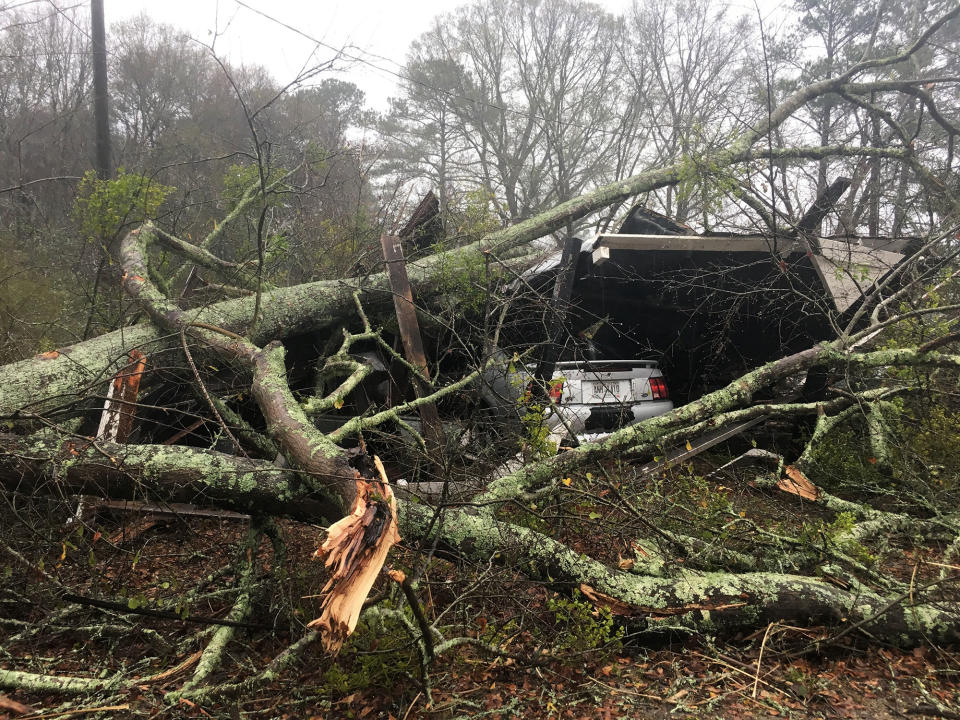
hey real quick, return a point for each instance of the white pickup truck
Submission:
(590, 398)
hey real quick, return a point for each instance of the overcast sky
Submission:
(282, 34)
(268, 32)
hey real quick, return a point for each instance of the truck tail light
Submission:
(658, 389)
(556, 390)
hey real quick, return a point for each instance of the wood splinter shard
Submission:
(120, 406)
(354, 552)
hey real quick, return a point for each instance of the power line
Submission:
(62, 11)
(36, 19)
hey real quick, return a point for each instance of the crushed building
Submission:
(709, 307)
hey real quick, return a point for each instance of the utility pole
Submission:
(101, 121)
(100, 107)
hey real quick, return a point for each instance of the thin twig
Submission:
(414, 602)
(206, 395)
(763, 645)
(78, 711)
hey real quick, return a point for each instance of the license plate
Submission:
(606, 389)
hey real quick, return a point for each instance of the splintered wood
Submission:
(796, 483)
(354, 552)
(119, 408)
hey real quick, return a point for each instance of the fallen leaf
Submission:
(676, 697)
(167, 674)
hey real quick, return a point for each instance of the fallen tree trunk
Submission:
(80, 466)
(697, 602)
(53, 379)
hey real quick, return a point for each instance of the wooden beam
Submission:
(600, 255)
(556, 314)
(729, 243)
(699, 243)
(697, 445)
(168, 510)
(410, 333)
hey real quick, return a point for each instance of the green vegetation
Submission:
(378, 655)
(583, 628)
(105, 208)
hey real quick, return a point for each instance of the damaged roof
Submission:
(845, 266)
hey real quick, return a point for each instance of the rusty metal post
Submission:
(410, 334)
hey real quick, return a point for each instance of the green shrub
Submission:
(843, 460)
(104, 208)
(583, 628)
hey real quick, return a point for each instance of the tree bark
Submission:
(321, 485)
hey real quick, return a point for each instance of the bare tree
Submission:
(525, 96)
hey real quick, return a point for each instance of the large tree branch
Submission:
(199, 255)
(62, 377)
(83, 466)
(697, 601)
(302, 443)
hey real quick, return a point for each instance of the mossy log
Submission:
(699, 602)
(708, 602)
(59, 685)
(59, 377)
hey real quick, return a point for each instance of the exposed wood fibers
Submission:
(354, 552)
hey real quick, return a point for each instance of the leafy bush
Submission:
(104, 208)
(843, 460)
(931, 436)
(583, 628)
